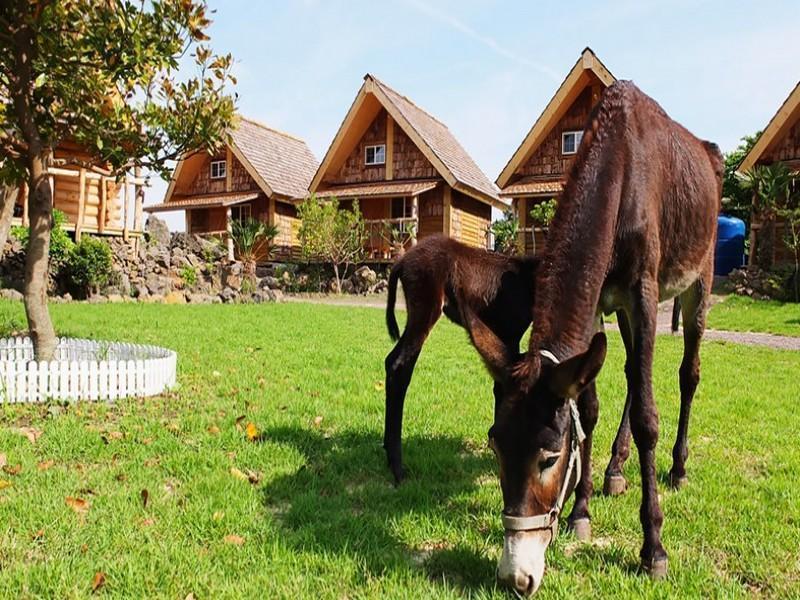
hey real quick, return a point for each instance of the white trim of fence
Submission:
(84, 370)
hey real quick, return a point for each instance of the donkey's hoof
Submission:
(656, 569)
(582, 528)
(614, 485)
(676, 482)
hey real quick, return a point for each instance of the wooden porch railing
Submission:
(379, 235)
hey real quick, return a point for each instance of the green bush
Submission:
(543, 213)
(506, 233)
(89, 265)
(61, 244)
(188, 276)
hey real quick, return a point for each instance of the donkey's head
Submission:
(536, 439)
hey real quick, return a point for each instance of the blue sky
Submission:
(487, 68)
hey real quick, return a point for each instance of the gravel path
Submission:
(779, 342)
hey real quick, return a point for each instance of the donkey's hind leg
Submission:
(400, 364)
(694, 303)
(614, 482)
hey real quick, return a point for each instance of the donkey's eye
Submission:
(548, 462)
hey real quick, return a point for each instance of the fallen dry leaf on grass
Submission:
(148, 522)
(5, 484)
(79, 505)
(3, 459)
(38, 535)
(31, 433)
(216, 374)
(252, 431)
(213, 430)
(378, 386)
(145, 497)
(236, 540)
(218, 515)
(12, 469)
(98, 581)
(317, 421)
(45, 464)
(238, 474)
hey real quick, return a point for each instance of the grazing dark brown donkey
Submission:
(636, 224)
(479, 290)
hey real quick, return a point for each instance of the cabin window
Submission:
(375, 155)
(401, 208)
(570, 140)
(240, 212)
(218, 169)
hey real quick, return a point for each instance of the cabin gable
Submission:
(404, 160)
(195, 176)
(787, 148)
(548, 159)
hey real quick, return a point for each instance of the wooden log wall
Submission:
(431, 220)
(409, 161)
(66, 198)
(287, 243)
(471, 219)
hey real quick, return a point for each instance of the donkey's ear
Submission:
(568, 379)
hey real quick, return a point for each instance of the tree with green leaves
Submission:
(251, 239)
(331, 234)
(506, 233)
(737, 198)
(104, 74)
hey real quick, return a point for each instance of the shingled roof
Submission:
(432, 137)
(283, 161)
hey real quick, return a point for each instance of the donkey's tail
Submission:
(391, 321)
(676, 314)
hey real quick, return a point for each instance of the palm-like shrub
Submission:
(251, 240)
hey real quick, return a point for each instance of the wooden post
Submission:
(228, 169)
(138, 192)
(229, 229)
(126, 201)
(188, 217)
(522, 216)
(81, 204)
(389, 147)
(415, 216)
(447, 210)
(23, 194)
(101, 213)
(271, 212)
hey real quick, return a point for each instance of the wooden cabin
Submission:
(779, 142)
(538, 169)
(92, 200)
(407, 172)
(259, 174)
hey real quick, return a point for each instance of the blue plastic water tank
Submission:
(729, 253)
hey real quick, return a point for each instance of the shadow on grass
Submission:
(342, 501)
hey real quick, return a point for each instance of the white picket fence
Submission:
(83, 370)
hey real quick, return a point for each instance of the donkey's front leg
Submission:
(579, 519)
(644, 423)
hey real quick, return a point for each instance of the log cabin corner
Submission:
(538, 169)
(93, 200)
(779, 142)
(404, 168)
(260, 173)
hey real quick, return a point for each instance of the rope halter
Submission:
(549, 520)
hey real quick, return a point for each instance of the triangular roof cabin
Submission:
(780, 140)
(538, 169)
(403, 165)
(260, 173)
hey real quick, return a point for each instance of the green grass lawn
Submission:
(738, 313)
(322, 518)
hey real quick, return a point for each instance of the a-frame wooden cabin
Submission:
(259, 174)
(405, 169)
(779, 142)
(538, 169)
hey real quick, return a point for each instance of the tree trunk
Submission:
(338, 281)
(765, 254)
(8, 198)
(37, 257)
